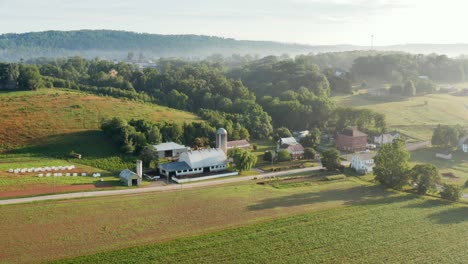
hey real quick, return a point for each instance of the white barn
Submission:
(170, 149)
(196, 162)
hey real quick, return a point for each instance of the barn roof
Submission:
(288, 140)
(295, 148)
(168, 146)
(237, 143)
(128, 174)
(203, 158)
(353, 132)
(175, 166)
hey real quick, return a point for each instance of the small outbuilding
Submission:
(242, 144)
(129, 178)
(447, 155)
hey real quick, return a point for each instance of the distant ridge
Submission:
(112, 44)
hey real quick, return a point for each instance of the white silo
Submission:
(221, 139)
(139, 168)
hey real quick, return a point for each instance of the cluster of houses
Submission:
(353, 140)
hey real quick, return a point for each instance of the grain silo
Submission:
(221, 139)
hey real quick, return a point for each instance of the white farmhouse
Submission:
(363, 162)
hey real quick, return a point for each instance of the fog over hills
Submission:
(117, 45)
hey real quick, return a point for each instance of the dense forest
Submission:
(117, 45)
(252, 96)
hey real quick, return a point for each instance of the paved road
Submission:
(172, 187)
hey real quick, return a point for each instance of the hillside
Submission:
(112, 44)
(117, 44)
(31, 116)
(417, 116)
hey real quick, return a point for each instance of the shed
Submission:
(129, 178)
(444, 155)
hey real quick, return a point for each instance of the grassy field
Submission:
(413, 116)
(344, 221)
(388, 230)
(458, 165)
(32, 115)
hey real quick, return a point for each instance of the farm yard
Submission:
(415, 117)
(337, 220)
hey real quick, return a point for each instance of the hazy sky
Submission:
(299, 21)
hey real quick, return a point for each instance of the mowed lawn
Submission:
(343, 221)
(413, 116)
(458, 165)
(31, 115)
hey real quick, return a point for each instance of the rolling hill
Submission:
(417, 116)
(112, 44)
(29, 117)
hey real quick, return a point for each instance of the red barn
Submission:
(351, 140)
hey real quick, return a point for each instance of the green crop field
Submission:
(338, 221)
(413, 116)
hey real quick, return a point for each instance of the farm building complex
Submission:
(197, 162)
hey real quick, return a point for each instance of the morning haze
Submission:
(282, 131)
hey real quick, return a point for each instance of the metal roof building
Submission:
(170, 149)
(196, 162)
(129, 178)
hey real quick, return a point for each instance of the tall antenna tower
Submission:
(372, 42)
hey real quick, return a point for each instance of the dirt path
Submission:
(418, 145)
(172, 187)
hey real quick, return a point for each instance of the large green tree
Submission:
(243, 158)
(313, 139)
(392, 165)
(409, 89)
(426, 176)
(331, 159)
(149, 154)
(446, 136)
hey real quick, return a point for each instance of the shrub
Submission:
(283, 155)
(335, 177)
(451, 192)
